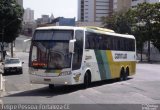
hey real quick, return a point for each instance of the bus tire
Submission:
(51, 86)
(122, 75)
(87, 79)
(21, 71)
(127, 73)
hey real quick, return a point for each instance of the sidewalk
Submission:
(151, 62)
(2, 81)
(2, 78)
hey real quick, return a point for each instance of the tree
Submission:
(10, 15)
(10, 21)
(120, 22)
(148, 15)
(139, 33)
(142, 21)
(156, 27)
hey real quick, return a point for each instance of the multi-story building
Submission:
(93, 10)
(121, 5)
(45, 19)
(136, 2)
(20, 2)
(28, 15)
(28, 22)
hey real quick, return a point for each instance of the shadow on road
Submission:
(12, 74)
(60, 90)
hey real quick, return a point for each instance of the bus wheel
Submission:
(51, 86)
(87, 80)
(127, 73)
(122, 75)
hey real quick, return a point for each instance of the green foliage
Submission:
(10, 20)
(149, 16)
(142, 21)
(120, 22)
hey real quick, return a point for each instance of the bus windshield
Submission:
(50, 49)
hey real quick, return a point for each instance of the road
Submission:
(142, 88)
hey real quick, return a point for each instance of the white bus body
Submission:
(77, 55)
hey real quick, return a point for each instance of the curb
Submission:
(2, 83)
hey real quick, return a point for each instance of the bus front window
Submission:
(59, 56)
(39, 55)
(50, 50)
(54, 55)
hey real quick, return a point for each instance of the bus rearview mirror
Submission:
(71, 45)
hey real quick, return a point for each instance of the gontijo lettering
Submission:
(120, 56)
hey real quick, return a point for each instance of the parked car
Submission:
(13, 65)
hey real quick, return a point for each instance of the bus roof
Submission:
(90, 29)
(59, 27)
(108, 32)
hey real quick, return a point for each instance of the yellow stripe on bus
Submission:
(115, 67)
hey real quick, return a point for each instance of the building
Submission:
(136, 2)
(93, 10)
(154, 53)
(121, 5)
(29, 24)
(20, 2)
(51, 17)
(45, 19)
(28, 15)
(81, 24)
(61, 21)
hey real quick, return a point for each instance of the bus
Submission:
(67, 55)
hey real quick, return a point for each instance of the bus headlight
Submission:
(65, 73)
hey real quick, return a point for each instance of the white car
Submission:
(13, 65)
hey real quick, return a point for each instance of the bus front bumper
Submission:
(59, 80)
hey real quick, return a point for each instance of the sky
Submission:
(59, 8)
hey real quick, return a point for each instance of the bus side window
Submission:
(111, 43)
(122, 44)
(115, 42)
(97, 42)
(118, 44)
(90, 41)
(87, 43)
(132, 43)
(126, 45)
(100, 42)
(78, 52)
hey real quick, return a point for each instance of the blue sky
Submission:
(65, 8)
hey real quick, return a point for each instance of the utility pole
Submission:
(12, 49)
(2, 45)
